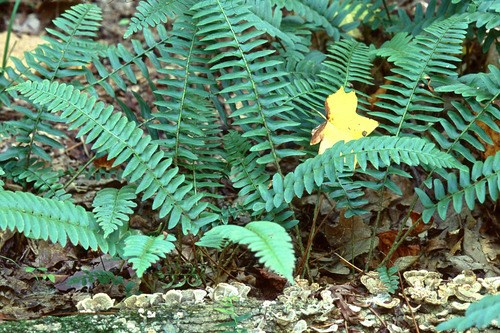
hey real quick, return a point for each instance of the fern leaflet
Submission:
(469, 186)
(142, 251)
(115, 135)
(269, 240)
(112, 207)
(50, 219)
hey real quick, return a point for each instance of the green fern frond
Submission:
(294, 42)
(348, 61)
(37, 131)
(123, 62)
(143, 251)
(68, 49)
(50, 219)
(461, 126)
(422, 17)
(246, 174)
(327, 15)
(408, 106)
(2, 183)
(270, 242)
(389, 278)
(151, 13)
(479, 314)
(115, 135)
(44, 179)
(248, 77)
(186, 117)
(483, 87)
(339, 161)
(487, 18)
(469, 186)
(112, 207)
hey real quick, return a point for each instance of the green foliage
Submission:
(268, 240)
(104, 278)
(389, 277)
(142, 250)
(112, 207)
(113, 134)
(409, 108)
(335, 167)
(227, 307)
(482, 180)
(229, 93)
(479, 314)
(48, 219)
(152, 12)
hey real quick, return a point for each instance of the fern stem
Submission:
(304, 265)
(9, 31)
(399, 237)
(375, 228)
(386, 8)
(399, 240)
(254, 89)
(79, 172)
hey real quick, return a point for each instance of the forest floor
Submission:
(459, 255)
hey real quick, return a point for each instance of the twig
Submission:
(408, 303)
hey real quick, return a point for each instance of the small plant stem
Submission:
(304, 265)
(408, 303)
(207, 255)
(78, 173)
(386, 8)
(398, 242)
(345, 261)
(197, 264)
(375, 228)
(382, 321)
(9, 31)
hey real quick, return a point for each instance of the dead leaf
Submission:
(342, 122)
(350, 237)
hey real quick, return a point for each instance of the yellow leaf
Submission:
(342, 121)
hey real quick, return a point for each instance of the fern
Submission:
(44, 180)
(67, 50)
(379, 151)
(389, 278)
(246, 174)
(112, 207)
(188, 121)
(142, 251)
(121, 139)
(1, 180)
(424, 17)
(410, 107)
(49, 219)
(268, 240)
(462, 124)
(294, 41)
(485, 14)
(348, 62)
(151, 13)
(248, 77)
(479, 314)
(469, 186)
(325, 15)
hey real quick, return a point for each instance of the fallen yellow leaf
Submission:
(342, 121)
